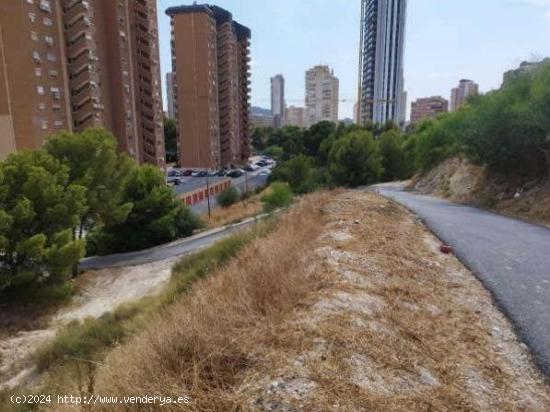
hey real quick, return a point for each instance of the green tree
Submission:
(298, 172)
(93, 162)
(354, 160)
(228, 197)
(170, 138)
(393, 156)
(315, 135)
(279, 196)
(274, 151)
(156, 217)
(39, 206)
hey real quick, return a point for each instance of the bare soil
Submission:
(458, 180)
(348, 306)
(98, 292)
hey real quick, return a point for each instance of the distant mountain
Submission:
(259, 111)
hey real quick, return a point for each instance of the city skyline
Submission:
(440, 47)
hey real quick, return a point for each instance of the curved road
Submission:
(510, 257)
(178, 248)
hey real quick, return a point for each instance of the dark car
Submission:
(202, 173)
(222, 173)
(187, 173)
(249, 168)
(235, 173)
(261, 163)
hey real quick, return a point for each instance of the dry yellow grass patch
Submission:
(347, 306)
(201, 345)
(237, 212)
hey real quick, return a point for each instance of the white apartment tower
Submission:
(322, 89)
(278, 99)
(381, 76)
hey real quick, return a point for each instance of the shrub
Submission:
(280, 196)
(228, 197)
(298, 172)
(354, 159)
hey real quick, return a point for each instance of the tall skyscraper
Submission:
(460, 94)
(322, 89)
(74, 64)
(278, 99)
(381, 77)
(211, 65)
(170, 95)
(428, 107)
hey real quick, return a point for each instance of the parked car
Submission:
(195, 173)
(221, 173)
(235, 173)
(187, 173)
(265, 172)
(261, 163)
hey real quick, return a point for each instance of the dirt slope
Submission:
(460, 181)
(348, 306)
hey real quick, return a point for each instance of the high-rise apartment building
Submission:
(170, 95)
(459, 95)
(381, 76)
(295, 116)
(211, 64)
(322, 89)
(278, 100)
(74, 64)
(427, 108)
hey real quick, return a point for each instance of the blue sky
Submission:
(446, 40)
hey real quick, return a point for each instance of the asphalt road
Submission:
(510, 257)
(178, 248)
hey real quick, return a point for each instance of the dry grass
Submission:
(234, 213)
(202, 343)
(346, 306)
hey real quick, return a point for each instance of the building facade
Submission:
(381, 73)
(459, 95)
(322, 90)
(82, 64)
(427, 108)
(170, 96)
(295, 116)
(211, 66)
(278, 100)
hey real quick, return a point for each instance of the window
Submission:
(38, 72)
(49, 40)
(56, 94)
(47, 21)
(41, 106)
(51, 57)
(34, 35)
(44, 124)
(32, 17)
(45, 6)
(40, 90)
(58, 123)
(36, 57)
(30, 1)
(53, 73)
(56, 107)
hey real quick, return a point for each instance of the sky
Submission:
(446, 40)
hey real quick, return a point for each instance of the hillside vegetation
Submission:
(506, 132)
(347, 305)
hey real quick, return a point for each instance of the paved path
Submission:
(511, 258)
(170, 250)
